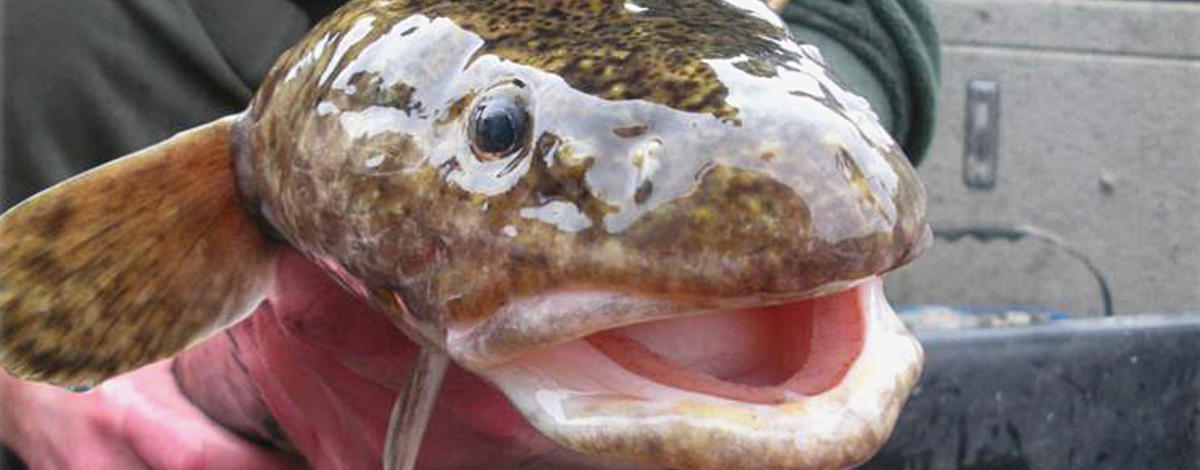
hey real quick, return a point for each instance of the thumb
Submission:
(169, 433)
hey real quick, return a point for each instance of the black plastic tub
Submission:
(1118, 392)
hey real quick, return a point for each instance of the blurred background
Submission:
(1076, 119)
(1064, 186)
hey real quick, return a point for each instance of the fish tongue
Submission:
(414, 405)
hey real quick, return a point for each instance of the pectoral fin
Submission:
(129, 263)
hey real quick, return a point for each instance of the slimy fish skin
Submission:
(656, 226)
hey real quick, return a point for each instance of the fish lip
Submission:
(541, 321)
(610, 411)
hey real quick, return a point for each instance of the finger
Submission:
(176, 441)
(52, 429)
(171, 440)
(110, 454)
(170, 433)
(87, 458)
(231, 452)
(194, 447)
(83, 443)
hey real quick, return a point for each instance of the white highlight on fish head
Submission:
(374, 161)
(325, 108)
(562, 214)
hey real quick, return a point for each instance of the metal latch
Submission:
(981, 137)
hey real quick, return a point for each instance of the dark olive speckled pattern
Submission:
(677, 148)
(128, 263)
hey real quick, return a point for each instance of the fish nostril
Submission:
(647, 161)
(644, 190)
(629, 132)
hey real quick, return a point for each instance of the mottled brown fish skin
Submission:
(661, 158)
(101, 274)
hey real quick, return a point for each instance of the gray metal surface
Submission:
(1099, 143)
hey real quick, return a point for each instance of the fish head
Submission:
(658, 227)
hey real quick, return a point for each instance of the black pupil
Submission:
(496, 129)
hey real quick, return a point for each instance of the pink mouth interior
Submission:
(759, 355)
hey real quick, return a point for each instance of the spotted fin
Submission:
(128, 263)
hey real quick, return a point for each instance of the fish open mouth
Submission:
(764, 355)
(812, 383)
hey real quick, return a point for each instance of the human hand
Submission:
(329, 367)
(138, 420)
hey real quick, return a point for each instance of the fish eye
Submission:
(498, 127)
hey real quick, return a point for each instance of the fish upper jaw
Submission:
(686, 392)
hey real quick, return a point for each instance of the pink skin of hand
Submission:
(329, 368)
(139, 420)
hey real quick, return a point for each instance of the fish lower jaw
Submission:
(638, 393)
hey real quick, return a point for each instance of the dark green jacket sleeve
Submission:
(885, 50)
(85, 81)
